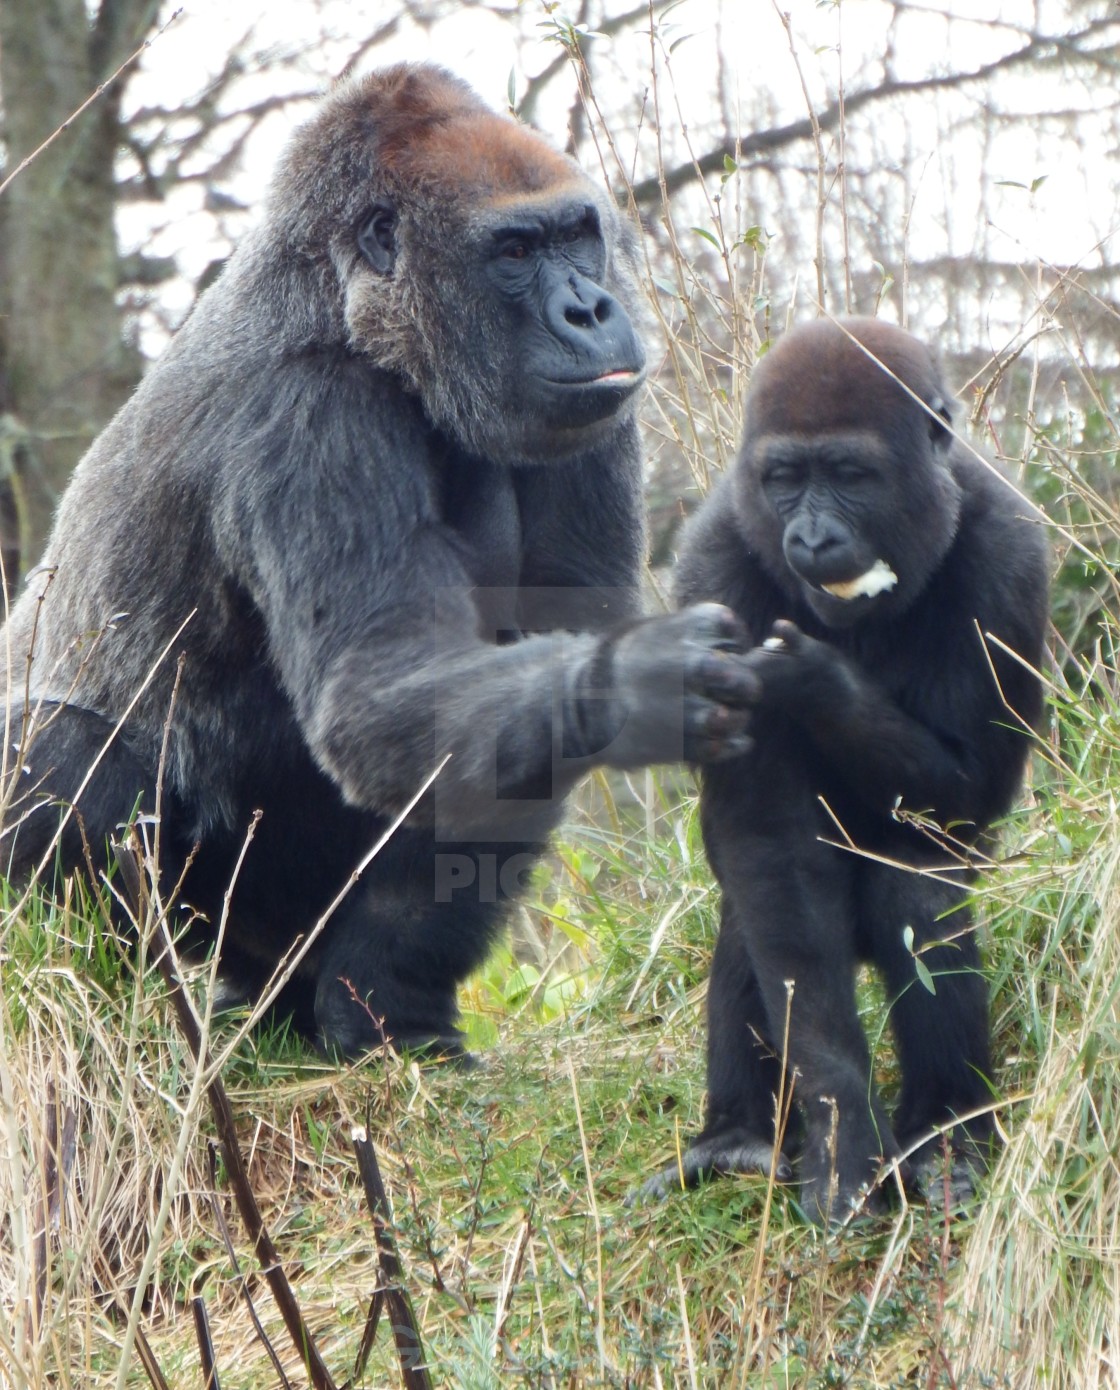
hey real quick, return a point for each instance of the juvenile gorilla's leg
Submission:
(799, 922)
(744, 1076)
(57, 755)
(942, 1038)
(744, 1045)
(403, 951)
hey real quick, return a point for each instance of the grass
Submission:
(524, 1263)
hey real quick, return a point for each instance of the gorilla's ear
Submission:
(377, 240)
(939, 433)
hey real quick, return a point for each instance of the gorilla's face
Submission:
(519, 350)
(843, 485)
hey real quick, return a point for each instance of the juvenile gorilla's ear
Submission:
(939, 434)
(377, 237)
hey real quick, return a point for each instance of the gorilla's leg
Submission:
(65, 744)
(401, 949)
(799, 919)
(744, 1076)
(942, 1038)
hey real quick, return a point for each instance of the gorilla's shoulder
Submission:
(710, 548)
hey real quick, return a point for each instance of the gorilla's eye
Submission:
(515, 251)
(782, 475)
(853, 473)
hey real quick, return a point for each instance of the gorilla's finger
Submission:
(716, 626)
(726, 677)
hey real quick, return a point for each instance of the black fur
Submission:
(388, 477)
(870, 707)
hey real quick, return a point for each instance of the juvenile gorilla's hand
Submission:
(797, 673)
(669, 689)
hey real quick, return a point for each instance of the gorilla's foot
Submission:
(419, 1023)
(948, 1171)
(714, 1155)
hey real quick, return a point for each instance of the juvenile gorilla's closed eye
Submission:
(882, 618)
(395, 499)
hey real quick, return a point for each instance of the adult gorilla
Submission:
(387, 475)
(887, 576)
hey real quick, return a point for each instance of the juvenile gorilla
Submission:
(382, 495)
(881, 571)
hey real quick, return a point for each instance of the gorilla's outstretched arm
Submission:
(372, 625)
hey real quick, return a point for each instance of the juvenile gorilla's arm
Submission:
(881, 752)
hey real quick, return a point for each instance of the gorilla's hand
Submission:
(798, 674)
(666, 689)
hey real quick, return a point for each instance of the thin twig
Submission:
(97, 91)
(205, 1345)
(149, 1362)
(600, 1301)
(267, 1255)
(242, 1282)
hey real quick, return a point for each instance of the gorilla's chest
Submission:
(479, 508)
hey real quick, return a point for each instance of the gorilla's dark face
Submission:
(843, 484)
(522, 320)
(833, 497)
(485, 269)
(574, 355)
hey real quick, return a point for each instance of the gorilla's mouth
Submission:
(619, 376)
(576, 403)
(877, 580)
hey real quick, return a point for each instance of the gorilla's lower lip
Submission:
(623, 376)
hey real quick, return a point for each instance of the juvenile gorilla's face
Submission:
(830, 499)
(843, 486)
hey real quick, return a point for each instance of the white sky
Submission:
(1064, 220)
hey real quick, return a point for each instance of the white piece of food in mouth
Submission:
(774, 644)
(877, 580)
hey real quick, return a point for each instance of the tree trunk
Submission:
(64, 368)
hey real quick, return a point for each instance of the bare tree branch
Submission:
(1035, 50)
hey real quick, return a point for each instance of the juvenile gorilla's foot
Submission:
(948, 1170)
(730, 1151)
(842, 1174)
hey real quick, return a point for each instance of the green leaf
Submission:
(702, 231)
(923, 974)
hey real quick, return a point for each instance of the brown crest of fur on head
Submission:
(428, 135)
(816, 378)
(409, 128)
